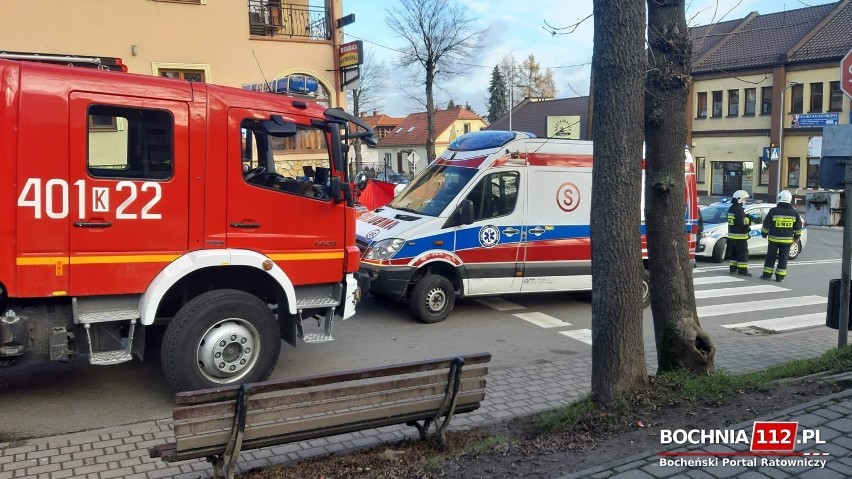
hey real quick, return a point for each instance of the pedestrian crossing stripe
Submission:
(584, 335)
(739, 291)
(761, 305)
(499, 304)
(715, 280)
(787, 323)
(542, 320)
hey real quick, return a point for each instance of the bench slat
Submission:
(286, 397)
(230, 392)
(310, 408)
(420, 409)
(171, 455)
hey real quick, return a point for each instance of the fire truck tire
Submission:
(220, 337)
(432, 299)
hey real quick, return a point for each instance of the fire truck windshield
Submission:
(433, 190)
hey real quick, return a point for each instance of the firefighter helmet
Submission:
(785, 197)
(740, 195)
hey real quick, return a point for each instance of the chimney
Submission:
(375, 112)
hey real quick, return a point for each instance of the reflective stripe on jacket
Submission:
(738, 222)
(782, 224)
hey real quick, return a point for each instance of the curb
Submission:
(650, 453)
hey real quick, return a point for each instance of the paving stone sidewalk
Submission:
(121, 451)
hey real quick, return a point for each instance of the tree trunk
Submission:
(430, 114)
(680, 341)
(618, 358)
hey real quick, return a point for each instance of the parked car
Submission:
(715, 223)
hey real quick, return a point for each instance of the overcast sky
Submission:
(518, 27)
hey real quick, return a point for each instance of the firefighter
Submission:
(739, 227)
(782, 226)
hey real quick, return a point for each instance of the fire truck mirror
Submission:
(335, 188)
(279, 128)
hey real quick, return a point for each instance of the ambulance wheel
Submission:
(719, 250)
(432, 299)
(221, 337)
(646, 288)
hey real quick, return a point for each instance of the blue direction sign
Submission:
(774, 154)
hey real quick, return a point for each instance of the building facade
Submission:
(404, 148)
(232, 43)
(560, 118)
(763, 88)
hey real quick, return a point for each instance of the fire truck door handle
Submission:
(245, 225)
(82, 224)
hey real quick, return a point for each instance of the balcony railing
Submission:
(274, 18)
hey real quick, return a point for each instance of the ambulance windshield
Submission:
(433, 190)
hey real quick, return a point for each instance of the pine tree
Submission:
(497, 100)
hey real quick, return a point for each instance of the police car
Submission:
(714, 237)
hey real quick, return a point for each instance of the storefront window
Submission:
(793, 172)
(748, 176)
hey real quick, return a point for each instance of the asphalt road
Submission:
(518, 330)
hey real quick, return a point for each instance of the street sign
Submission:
(774, 154)
(846, 74)
(766, 151)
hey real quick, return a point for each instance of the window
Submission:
(701, 162)
(835, 102)
(467, 127)
(733, 102)
(496, 195)
(792, 172)
(763, 172)
(750, 101)
(388, 158)
(140, 146)
(766, 100)
(102, 122)
(188, 75)
(298, 164)
(717, 104)
(702, 105)
(797, 102)
(816, 97)
(813, 172)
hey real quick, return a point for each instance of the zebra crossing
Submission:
(742, 305)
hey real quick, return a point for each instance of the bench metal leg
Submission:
(225, 464)
(447, 407)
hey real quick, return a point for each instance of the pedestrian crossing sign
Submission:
(774, 154)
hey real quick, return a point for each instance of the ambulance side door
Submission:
(489, 246)
(557, 249)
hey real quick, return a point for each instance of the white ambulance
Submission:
(498, 212)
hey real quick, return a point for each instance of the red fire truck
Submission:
(131, 201)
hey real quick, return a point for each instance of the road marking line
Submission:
(584, 335)
(543, 320)
(716, 280)
(740, 291)
(788, 323)
(500, 304)
(733, 308)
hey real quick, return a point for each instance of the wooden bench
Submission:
(219, 423)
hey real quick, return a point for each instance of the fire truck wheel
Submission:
(646, 288)
(432, 298)
(221, 337)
